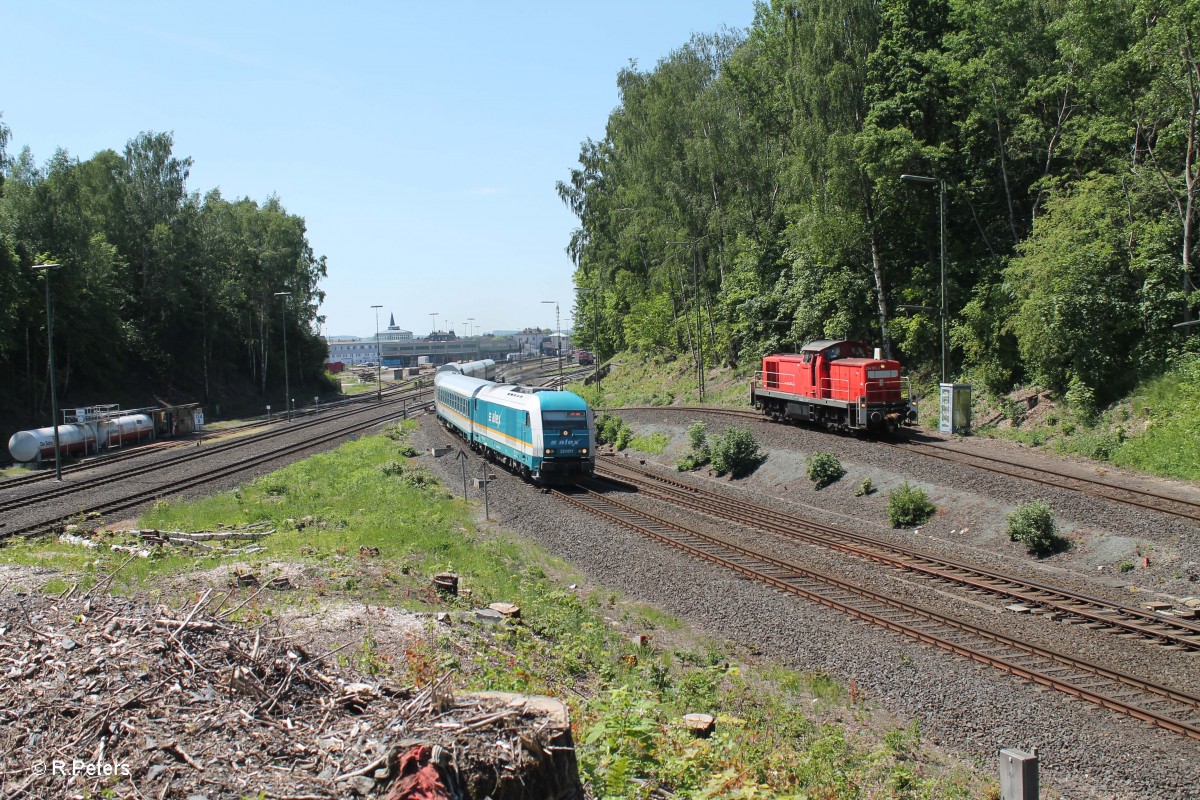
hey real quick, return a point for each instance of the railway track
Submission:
(189, 454)
(1094, 487)
(1085, 609)
(1166, 708)
(174, 486)
(1141, 498)
(140, 451)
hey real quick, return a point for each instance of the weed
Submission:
(865, 488)
(1125, 566)
(654, 443)
(909, 506)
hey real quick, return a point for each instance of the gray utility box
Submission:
(1018, 775)
(954, 408)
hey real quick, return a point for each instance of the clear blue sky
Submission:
(421, 142)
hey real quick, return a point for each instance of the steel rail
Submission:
(140, 450)
(1174, 632)
(166, 490)
(785, 575)
(190, 454)
(1191, 508)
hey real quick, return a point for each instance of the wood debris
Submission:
(99, 692)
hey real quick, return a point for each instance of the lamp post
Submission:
(558, 344)
(433, 316)
(470, 326)
(941, 184)
(45, 270)
(378, 359)
(287, 384)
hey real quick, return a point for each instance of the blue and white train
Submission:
(542, 434)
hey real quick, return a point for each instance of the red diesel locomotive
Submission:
(835, 383)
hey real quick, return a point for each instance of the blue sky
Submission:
(421, 142)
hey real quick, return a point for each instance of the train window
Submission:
(833, 354)
(526, 419)
(806, 357)
(563, 416)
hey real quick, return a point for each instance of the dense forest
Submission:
(747, 193)
(160, 291)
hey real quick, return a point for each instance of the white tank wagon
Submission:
(81, 438)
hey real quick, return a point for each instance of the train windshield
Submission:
(565, 423)
(557, 418)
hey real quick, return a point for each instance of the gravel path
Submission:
(1086, 752)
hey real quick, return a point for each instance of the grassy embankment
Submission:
(780, 734)
(1155, 429)
(636, 380)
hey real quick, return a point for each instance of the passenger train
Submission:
(544, 435)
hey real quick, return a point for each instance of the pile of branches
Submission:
(141, 700)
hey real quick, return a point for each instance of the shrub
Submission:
(736, 452)
(611, 429)
(624, 436)
(1081, 398)
(1033, 526)
(824, 469)
(865, 488)
(909, 506)
(698, 454)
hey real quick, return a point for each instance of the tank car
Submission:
(80, 438)
(836, 383)
(544, 435)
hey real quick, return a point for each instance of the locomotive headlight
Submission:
(549, 451)
(584, 451)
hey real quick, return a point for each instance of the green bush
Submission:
(735, 452)
(698, 454)
(1033, 526)
(865, 488)
(824, 469)
(611, 429)
(909, 506)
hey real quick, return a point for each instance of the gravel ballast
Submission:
(1085, 752)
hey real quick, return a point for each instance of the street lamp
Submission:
(45, 270)
(433, 315)
(378, 359)
(287, 385)
(941, 184)
(558, 347)
(470, 326)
